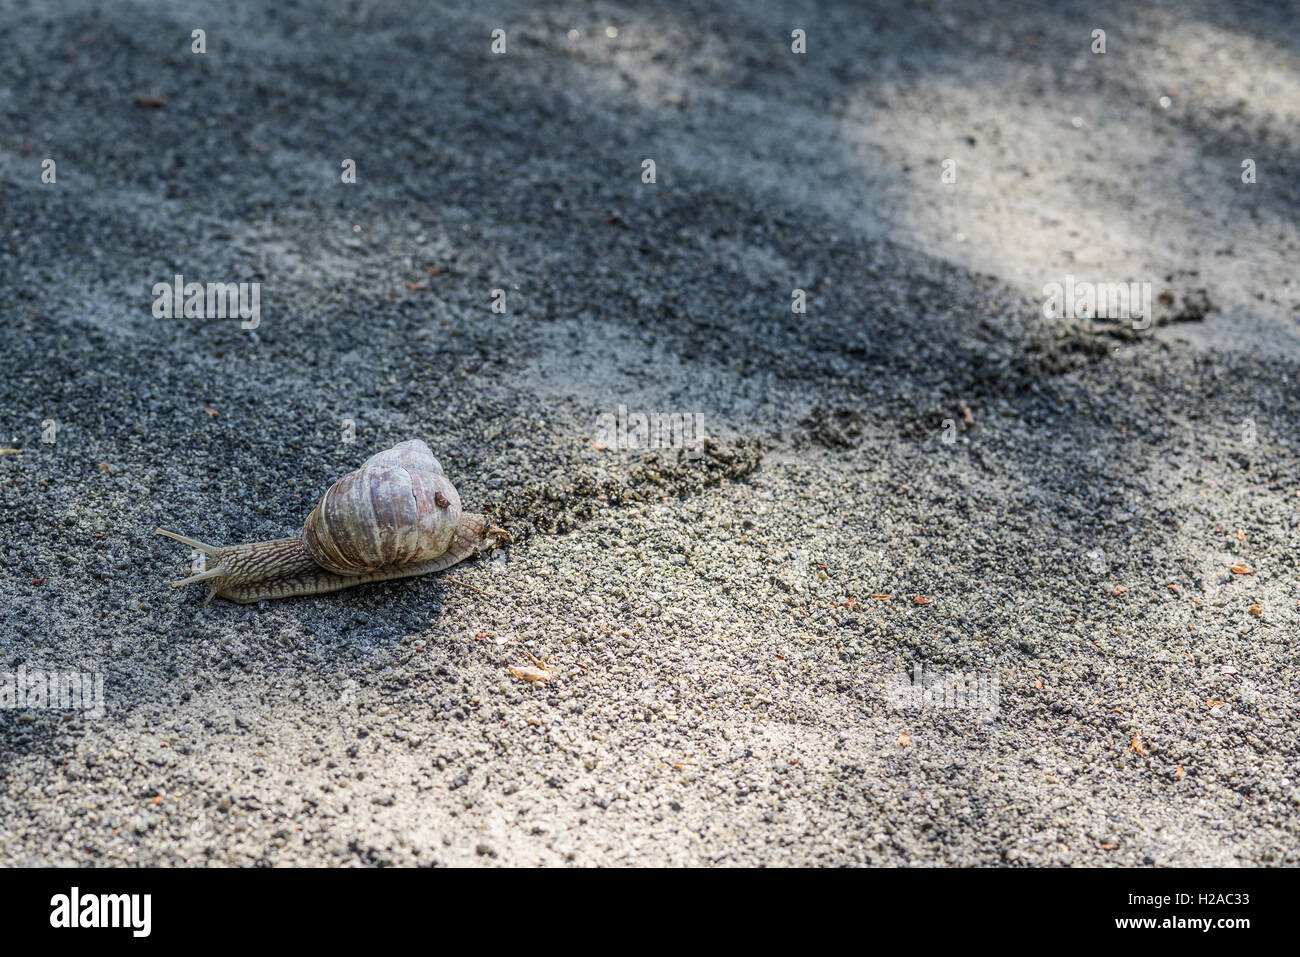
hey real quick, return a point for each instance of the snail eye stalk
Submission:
(186, 540)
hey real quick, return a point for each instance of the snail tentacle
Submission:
(186, 540)
(201, 576)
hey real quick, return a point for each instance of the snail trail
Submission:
(555, 507)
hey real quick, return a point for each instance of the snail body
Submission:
(395, 517)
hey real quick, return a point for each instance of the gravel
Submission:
(920, 472)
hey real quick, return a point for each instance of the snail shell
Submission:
(396, 509)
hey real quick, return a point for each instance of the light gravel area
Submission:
(921, 471)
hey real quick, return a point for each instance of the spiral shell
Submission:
(397, 508)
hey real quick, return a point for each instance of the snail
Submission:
(396, 516)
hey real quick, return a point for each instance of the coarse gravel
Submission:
(920, 472)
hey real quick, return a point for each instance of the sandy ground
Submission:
(1052, 507)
